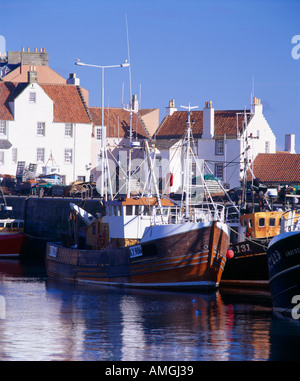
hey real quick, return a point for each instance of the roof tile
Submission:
(282, 167)
(117, 121)
(6, 88)
(225, 123)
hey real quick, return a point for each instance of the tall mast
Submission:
(187, 167)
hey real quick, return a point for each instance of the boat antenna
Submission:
(129, 61)
(252, 93)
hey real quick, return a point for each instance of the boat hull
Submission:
(12, 245)
(249, 265)
(192, 258)
(284, 270)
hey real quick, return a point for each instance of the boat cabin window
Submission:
(8, 225)
(128, 210)
(261, 222)
(14, 224)
(1, 224)
(148, 210)
(272, 222)
(250, 223)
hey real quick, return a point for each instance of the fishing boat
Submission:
(13, 240)
(283, 255)
(250, 234)
(253, 221)
(145, 242)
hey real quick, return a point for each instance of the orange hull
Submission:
(194, 259)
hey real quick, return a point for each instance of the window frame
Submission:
(41, 129)
(68, 153)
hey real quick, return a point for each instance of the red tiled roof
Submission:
(6, 88)
(68, 105)
(225, 123)
(277, 167)
(117, 122)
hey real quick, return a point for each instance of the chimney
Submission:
(72, 80)
(135, 103)
(32, 75)
(208, 121)
(290, 143)
(256, 107)
(171, 108)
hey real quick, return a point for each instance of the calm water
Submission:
(48, 320)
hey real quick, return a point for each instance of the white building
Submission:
(223, 139)
(44, 124)
(118, 124)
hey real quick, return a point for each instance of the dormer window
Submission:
(32, 97)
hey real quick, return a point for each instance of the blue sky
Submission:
(187, 50)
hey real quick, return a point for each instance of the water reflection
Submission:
(53, 320)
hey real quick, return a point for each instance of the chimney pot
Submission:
(208, 121)
(290, 143)
(171, 108)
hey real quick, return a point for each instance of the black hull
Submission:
(249, 266)
(284, 270)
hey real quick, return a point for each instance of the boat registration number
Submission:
(135, 251)
(52, 251)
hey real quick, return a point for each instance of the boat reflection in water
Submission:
(144, 325)
(53, 320)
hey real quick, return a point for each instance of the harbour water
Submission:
(46, 320)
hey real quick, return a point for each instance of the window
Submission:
(1, 157)
(219, 147)
(272, 222)
(40, 155)
(32, 97)
(41, 129)
(14, 153)
(219, 171)
(2, 127)
(68, 155)
(69, 129)
(128, 210)
(99, 133)
(267, 147)
(261, 222)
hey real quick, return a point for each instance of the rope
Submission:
(246, 238)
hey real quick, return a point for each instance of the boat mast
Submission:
(187, 166)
